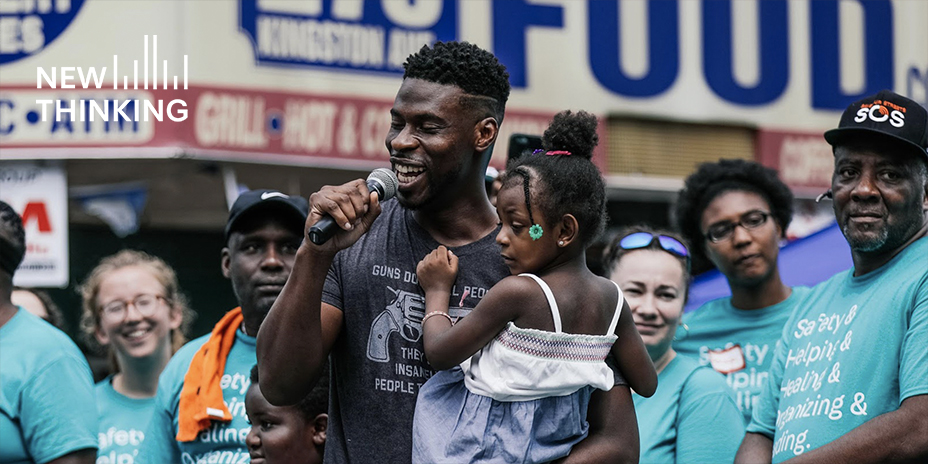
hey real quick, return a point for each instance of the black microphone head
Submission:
(384, 181)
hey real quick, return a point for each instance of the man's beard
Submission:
(866, 244)
(891, 235)
(263, 306)
(433, 190)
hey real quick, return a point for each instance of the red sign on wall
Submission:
(254, 125)
(804, 160)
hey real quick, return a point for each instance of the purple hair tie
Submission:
(550, 153)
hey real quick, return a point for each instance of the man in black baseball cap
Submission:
(849, 381)
(884, 116)
(273, 222)
(201, 392)
(290, 207)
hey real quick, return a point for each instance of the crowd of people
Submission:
(438, 327)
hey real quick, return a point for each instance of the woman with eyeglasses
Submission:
(736, 212)
(692, 418)
(132, 306)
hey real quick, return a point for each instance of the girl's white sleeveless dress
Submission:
(522, 398)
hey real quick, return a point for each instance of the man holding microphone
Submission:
(356, 296)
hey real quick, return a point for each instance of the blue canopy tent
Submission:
(806, 261)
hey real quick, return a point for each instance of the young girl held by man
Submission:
(534, 349)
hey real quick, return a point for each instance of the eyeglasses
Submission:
(645, 239)
(145, 304)
(724, 230)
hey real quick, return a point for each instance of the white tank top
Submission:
(527, 364)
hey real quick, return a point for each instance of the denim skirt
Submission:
(452, 425)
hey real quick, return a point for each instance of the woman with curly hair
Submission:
(132, 306)
(736, 212)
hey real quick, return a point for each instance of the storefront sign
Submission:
(371, 35)
(259, 126)
(39, 195)
(28, 26)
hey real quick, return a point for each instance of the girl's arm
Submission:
(631, 356)
(447, 346)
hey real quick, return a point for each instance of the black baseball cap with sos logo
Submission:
(886, 114)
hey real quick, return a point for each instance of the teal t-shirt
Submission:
(692, 417)
(855, 348)
(737, 343)
(47, 407)
(223, 442)
(122, 424)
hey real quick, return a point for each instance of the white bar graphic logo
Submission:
(92, 77)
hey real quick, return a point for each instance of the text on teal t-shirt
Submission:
(738, 343)
(855, 348)
(122, 424)
(223, 442)
(47, 407)
(691, 418)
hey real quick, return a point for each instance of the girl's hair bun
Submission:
(573, 132)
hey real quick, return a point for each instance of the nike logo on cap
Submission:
(266, 195)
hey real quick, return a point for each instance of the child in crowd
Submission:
(287, 434)
(530, 357)
(134, 308)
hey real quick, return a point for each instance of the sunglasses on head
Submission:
(644, 240)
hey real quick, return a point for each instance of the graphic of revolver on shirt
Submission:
(404, 315)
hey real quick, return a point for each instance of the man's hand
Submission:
(351, 205)
(437, 270)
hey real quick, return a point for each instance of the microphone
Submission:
(381, 180)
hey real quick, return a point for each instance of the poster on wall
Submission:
(39, 195)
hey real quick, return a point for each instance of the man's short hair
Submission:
(12, 239)
(464, 65)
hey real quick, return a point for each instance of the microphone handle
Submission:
(325, 228)
(322, 230)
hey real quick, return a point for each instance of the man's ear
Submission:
(226, 262)
(925, 200)
(568, 230)
(485, 133)
(320, 424)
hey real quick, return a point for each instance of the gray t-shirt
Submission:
(378, 362)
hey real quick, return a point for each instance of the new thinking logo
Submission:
(125, 109)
